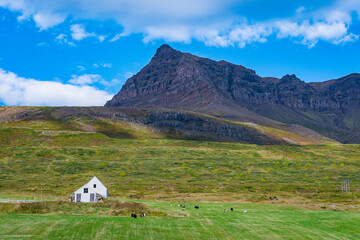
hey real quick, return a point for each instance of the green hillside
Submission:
(137, 161)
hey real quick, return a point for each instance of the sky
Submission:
(81, 52)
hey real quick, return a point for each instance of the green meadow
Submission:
(138, 163)
(262, 221)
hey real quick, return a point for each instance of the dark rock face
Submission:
(178, 124)
(198, 127)
(184, 81)
(170, 79)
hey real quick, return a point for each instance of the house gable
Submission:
(89, 191)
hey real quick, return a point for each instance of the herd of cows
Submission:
(133, 215)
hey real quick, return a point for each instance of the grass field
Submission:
(140, 164)
(209, 222)
(136, 162)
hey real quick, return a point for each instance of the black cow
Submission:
(133, 215)
(231, 209)
(197, 207)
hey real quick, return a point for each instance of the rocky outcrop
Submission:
(201, 127)
(177, 124)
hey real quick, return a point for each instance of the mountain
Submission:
(176, 80)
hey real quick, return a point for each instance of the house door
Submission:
(92, 197)
(78, 197)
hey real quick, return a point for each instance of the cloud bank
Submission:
(15, 90)
(213, 22)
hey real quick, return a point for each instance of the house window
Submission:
(86, 190)
(94, 185)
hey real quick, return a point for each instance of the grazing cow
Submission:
(225, 210)
(231, 209)
(142, 215)
(270, 198)
(133, 215)
(197, 207)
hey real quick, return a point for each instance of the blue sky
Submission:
(80, 52)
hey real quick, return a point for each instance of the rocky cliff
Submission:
(179, 80)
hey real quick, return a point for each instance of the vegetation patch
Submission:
(114, 208)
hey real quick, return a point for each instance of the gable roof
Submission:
(95, 178)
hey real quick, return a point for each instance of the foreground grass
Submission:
(208, 222)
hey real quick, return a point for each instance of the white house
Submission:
(93, 191)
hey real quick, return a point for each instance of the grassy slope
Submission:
(137, 162)
(209, 222)
(134, 161)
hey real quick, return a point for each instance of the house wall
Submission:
(100, 188)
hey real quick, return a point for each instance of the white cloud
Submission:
(85, 79)
(128, 75)
(118, 36)
(45, 14)
(42, 44)
(46, 20)
(348, 38)
(117, 82)
(134, 15)
(311, 33)
(81, 68)
(78, 32)
(183, 21)
(104, 65)
(15, 90)
(212, 37)
(168, 33)
(63, 39)
(333, 27)
(243, 35)
(101, 38)
(300, 10)
(113, 82)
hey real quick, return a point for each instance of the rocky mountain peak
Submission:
(165, 47)
(290, 78)
(179, 80)
(165, 51)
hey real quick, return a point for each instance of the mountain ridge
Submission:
(177, 80)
